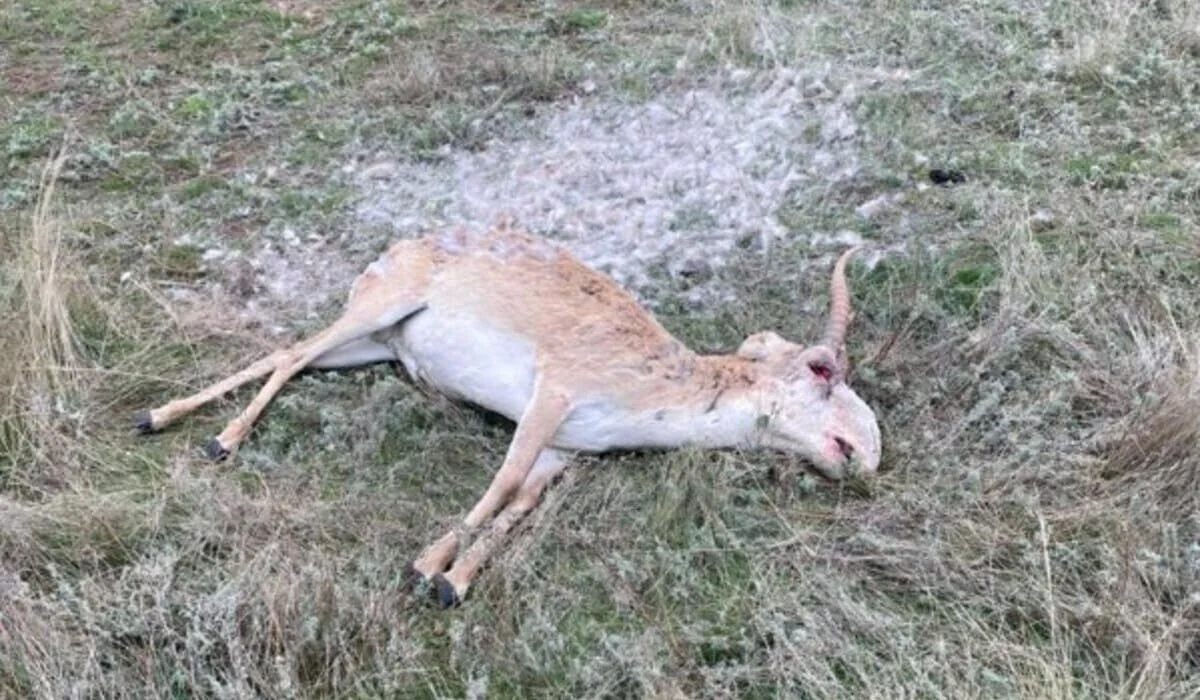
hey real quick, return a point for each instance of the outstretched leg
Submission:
(545, 413)
(452, 586)
(157, 418)
(350, 328)
(342, 344)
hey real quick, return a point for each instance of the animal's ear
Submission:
(819, 365)
(761, 346)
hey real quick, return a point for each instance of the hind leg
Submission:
(158, 418)
(353, 354)
(344, 344)
(389, 291)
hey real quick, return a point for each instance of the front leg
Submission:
(452, 586)
(542, 417)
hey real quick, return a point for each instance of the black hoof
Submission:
(446, 594)
(215, 451)
(143, 422)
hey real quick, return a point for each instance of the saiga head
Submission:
(808, 407)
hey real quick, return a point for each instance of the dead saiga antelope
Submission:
(516, 325)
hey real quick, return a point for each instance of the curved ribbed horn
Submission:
(839, 308)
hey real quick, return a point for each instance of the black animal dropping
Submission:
(945, 176)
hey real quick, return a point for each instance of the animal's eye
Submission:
(821, 369)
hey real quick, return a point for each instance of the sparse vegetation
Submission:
(1032, 356)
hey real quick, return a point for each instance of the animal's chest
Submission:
(604, 425)
(467, 359)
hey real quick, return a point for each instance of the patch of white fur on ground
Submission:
(280, 281)
(670, 185)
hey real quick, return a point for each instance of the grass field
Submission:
(1030, 339)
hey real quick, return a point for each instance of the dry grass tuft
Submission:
(40, 417)
(46, 290)
(1155, 462)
